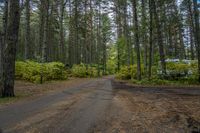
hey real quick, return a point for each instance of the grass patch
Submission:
(8, 100)
(162, 82)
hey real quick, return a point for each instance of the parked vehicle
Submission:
(176, 68)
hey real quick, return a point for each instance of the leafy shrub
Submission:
(55, 71)
(92, 72)
(154, 70)
(126, 72)
(153, 81)
(111, 66)
(158, 81)
(177, 73)
(180, 70)
(177, 67)
(79, 71)
(83, 71)
(33, 71)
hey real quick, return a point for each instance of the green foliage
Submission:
(126, 72)
(111, 66)
(55, 71)
(121, 44)
(154, 70)
(158, 81)
(155, 81)
(79, 71)
(92, 72)
(177, 68)
(177, 74)
(180, 70)
(33, 71)
(112, 60)
(83, 71)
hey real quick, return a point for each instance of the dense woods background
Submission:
(110, 36)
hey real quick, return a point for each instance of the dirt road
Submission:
(106, 106)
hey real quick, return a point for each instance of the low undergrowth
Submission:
(84, 71)
(176, 74)
(157, 81)
(40, 72)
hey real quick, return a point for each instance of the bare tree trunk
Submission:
(91, 58)
(119, 32)
(170, 48)
(197, 34)
(62, 47)
(9, 52)
(192, 41)
(27, 35)
(2, 45)
(5, 21)
(71, 37)
(137, 39)
(144, 35)
(76, 41)
(1, 64)
(191, 44)
(159, 37)
(150, 38)
(46, 29)
(99, 41)
(41, 34)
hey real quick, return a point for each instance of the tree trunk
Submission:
(119, 32)
(2, 44)
(150, 38)
(9, 52)
(191, 21)
(197, 34)
(5, 21)
(144, 35)
(99, 41)
(27, 35)
(136, 34)
(41, 26)
(1, 64)
(62, 47)
(159, 37)
(46, 33)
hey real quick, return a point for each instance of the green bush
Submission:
(194, 68)
(33, 71)
(83, 71)
(126, 72)
(177, 73)
(111, 66)
(55, 71)
(153, 81)
(177, 67)
(180, 70)
(92, 72)
(79, 71)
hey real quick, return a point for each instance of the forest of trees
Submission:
(126, 32)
